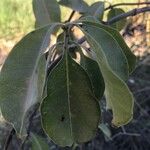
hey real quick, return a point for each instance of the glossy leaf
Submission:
(96, 10)
(38, 143)
(22, 77)
(70, 113)
(46, 12)
(118, 96)
(77, 5)
(119, 25)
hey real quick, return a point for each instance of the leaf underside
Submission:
(22, 77)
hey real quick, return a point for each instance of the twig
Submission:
(133, 12)
(128, 134)
(126, 4)
(53, 64)
(142, 90)
(9, 139)
(71, 16)
(120, 17)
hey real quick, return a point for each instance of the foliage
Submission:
(21, 10)
(66, 78)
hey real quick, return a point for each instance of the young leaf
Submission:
(113, 52)
(118, 96)
(23, 75)
(38, 143)
(70, 113)
(46, 12)
(96, 10)
(77, 5)
(114, 12)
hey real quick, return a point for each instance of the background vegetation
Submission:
(16, 16)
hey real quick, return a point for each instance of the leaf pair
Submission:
(114, 59)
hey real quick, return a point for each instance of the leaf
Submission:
(119, 25)
(92, 69)
(38, 143)
(131, 58)
(46, 12)
(22, 77)
(77, 5)
(96, 10)
(95, 75)
(112, 50)
(70, 113)
(118, 96)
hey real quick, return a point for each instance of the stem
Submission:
(71, 16)
(66, 37)
(117, 18)
(74, 146)
(126, 4)
(9, 139)
(133, 12)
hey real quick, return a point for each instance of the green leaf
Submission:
(92, 69)
(118, 96)
(77, 5)
(23, 75)
(131, 58)
(46, 12)
(38, 143)
(70, 113)
(112, 50)
(96, 10)
(119, 25)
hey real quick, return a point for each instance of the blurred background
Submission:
(17, 19)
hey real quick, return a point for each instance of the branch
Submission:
(71, 16)
(133, 12)
(127, 4)
(128, 134)
(117, 18)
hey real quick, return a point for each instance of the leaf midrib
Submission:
(68, 93)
